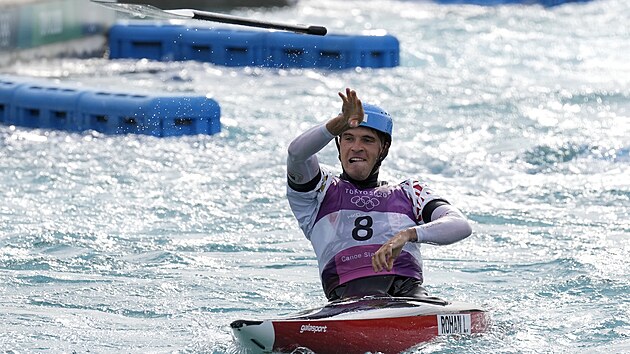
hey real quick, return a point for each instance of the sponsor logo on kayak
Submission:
(453, 324)
(314, 329)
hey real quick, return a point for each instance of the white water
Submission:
(520, 115)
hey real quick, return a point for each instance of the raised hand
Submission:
(352, 108)
(351, 113)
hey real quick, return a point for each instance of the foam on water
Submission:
(520, 115)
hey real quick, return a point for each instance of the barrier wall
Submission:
(222, 47)
(145, 41)
(252, 48)
(289, 50)
(35, 105)
(7, 90)
(119, 113)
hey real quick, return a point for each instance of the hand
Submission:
(351, 113)
(352, 109)
(384, 258)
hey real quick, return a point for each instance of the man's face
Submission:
(359, 149)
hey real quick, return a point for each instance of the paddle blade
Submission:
(140, 10)
(143, 11)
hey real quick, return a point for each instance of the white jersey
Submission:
(346, 225)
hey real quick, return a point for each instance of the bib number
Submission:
(363, 228)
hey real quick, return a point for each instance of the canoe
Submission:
(369, 324)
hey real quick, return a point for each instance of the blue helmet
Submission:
(377, 119)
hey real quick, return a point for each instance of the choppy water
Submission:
(520, 115)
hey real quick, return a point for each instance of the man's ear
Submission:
(338, 147)
(385, 151)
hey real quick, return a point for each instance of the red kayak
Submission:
(370, 324)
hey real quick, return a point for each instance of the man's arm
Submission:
(302, 165)
(447, 225)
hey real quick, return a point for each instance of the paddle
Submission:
(143, 10)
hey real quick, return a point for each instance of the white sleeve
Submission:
(448, 225)
(302, 163)
(305, 204)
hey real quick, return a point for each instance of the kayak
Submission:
(359, 325)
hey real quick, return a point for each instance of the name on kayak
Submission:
(314, 329)
(453, 324)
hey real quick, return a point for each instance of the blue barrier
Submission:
(290, 50)
(116, 113)
(253, 48)
(43, 106)
(37, 106)
(192, 115)
(7, 90)
(155, 41)
(376, 52)
(221, 47)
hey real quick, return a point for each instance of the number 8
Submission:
(367, 228)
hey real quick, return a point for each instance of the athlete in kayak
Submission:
(366, 233)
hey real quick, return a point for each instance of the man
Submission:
(366, 234)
